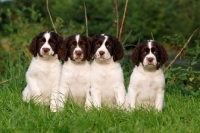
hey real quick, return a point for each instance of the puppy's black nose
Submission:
(101, 53)
(78, 53)
(150, 59)
(45, 50)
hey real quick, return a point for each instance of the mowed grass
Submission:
(181, 114)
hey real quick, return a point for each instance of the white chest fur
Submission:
(146, 88)
(107, 84)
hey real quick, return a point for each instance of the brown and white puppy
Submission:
(147, 82)
(43, 74)
(75, 75)
(107, 81)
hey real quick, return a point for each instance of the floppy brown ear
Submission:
(92, 49)
(118, 51)
(59, 42)
(162, 54)
(33, 46)
(135, 55)
(88, 49)
(62, 51)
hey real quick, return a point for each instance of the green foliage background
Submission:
(169, 22)
(144, 17)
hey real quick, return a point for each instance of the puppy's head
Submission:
(45, 44)
(75, 47)
(106, 46)
(150, 53)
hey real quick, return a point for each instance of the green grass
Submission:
(181, 113)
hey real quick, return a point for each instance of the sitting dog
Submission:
(107, 81)
(147, 82)
(75, 75)
(43, 74)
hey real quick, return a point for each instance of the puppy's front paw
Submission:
(53, 109)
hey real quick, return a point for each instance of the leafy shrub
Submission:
(185, 76)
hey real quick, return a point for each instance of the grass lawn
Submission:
(181, 114)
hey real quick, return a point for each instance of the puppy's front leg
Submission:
(62, 96)
(120, 95)
(54, 98)
(53, 102)
(159, 102)
(31, 90)
(131, 98)
(96, 97)
(88, 101)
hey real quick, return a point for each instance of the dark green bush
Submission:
(185, 75)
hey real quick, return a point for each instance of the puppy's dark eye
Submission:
(97, 45)
(82, 43)
(108, 45)
(43, 40)
(41, 43)
(73, 44)
(155, 52)
(144, 53)
(51, 42)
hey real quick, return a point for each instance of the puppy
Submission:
(43, 74)
(107, 81)
(147, 82)
(75, 75)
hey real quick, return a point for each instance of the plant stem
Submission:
(47, 2)
(122, 24)
(86, 22)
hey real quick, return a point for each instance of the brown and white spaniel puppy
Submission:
(107, 81)
(43, 74)
(75, 75)
(147, 82)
